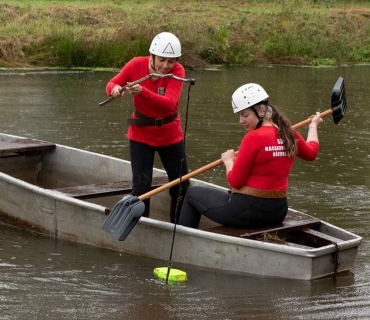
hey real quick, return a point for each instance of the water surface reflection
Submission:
(41, 278)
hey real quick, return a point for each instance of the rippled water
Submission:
(41, 278)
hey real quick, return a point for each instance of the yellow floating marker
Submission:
(175, 274)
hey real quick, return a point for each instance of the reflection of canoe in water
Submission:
(66, 193)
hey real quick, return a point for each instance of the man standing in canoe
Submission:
(155, 123)
(259, 173)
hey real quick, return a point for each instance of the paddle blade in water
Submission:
(175, 274)
(123, 217)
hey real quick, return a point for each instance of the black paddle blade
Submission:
(123, 217)
(338, 100)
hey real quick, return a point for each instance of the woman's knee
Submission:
(141, 183)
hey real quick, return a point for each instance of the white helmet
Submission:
(247, 96)
(166, 45)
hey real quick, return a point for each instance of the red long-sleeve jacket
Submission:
(262, 163)
(159, 99)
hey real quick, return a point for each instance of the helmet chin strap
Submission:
(152, 64)
(260, 118)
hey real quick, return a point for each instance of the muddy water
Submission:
(41, 278)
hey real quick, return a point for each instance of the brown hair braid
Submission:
(285, 131)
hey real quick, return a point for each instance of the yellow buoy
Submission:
(175, 274)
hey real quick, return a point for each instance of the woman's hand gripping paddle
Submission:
(127, 212)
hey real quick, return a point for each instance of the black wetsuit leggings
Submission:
(235, 210)
(142, 160)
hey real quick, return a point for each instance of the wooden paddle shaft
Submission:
(307, 121)
(213, 164)
(178, 180)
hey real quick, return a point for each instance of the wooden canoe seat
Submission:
(320, 239)
(106, 189)
(293, 221)
(24, 146)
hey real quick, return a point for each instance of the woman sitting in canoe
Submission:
(155, 123)
(258, 174)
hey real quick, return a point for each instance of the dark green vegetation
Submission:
(99, 33)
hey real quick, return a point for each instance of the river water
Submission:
(43, 278)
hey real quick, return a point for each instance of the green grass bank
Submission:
(107, 33)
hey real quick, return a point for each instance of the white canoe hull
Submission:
(58, 215)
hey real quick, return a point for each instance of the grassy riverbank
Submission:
(103, 33)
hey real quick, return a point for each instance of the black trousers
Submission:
(234, 210)
(173, 158)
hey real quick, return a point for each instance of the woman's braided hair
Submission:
(285, 131)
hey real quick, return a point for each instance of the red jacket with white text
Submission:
(262, 163)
